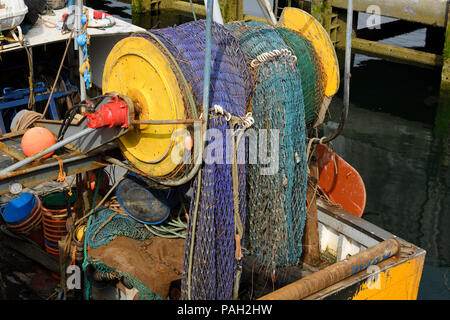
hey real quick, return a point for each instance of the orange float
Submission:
(37, 139)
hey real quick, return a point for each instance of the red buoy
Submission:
(37, 139)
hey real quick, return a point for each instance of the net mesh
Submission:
(310, 70)
(277, 199)
(213, 263)
(105, 226)
(144, 292)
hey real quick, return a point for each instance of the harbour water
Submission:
(389, 139)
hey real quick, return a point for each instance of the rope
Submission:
(47, 23)
(83, 41)
(193, 230)
(85, 260)
(308, 149)
(26, 120)
(172, 230)
(19, 38)
(62, 175)
(193, 11)
(30, 117)
(271, 55)
(245, 123)
(58, 74)
(89, 214)
(115, 206)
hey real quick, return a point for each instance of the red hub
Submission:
(114, 113)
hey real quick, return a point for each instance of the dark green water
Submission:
(389, 139)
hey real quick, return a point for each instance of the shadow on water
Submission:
(389, 139)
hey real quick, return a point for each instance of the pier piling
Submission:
(411, 15)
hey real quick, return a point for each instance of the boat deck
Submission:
(48, 30)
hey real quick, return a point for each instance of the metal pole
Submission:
(347, 69)
(270, 11)
(217, 15)
(163, 122)
(54, 147)
(78, 31)
(348, 55)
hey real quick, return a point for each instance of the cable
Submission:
(57, 75)
(193, 11)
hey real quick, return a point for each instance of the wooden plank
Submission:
(442, 120)
(395, 53)
(32, 251)
(388, 30)
(311, 250)
(336, 272)
(186, 7)
(431, 12)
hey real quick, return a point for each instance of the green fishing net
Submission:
(144, 292)
(310, 70)
(105, 224)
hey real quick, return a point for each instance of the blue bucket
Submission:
(19, 209)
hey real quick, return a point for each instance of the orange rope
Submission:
(73, 255)
(62, 175)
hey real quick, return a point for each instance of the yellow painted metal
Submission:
(136, 68)
(400, 282)
(302, 22)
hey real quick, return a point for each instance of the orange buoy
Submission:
(37, 139)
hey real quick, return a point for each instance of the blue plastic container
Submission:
(19, 209)
(144, 204)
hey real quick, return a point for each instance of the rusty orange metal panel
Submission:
(340, 182)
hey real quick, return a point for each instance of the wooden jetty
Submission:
(410, 14)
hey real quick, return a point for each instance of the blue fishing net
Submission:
(213, 263)
(276, 201)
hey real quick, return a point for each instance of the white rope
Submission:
(244, 122)
(266, 56)
(219, 110)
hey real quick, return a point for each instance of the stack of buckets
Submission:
(23, 216)
(43, 221)
(55, 214)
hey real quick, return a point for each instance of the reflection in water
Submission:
(404, 168)
(389, 139)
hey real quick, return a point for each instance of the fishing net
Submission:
(277, 199)
(213, 262)
(310, 70)
(106, 224)
(144, 292)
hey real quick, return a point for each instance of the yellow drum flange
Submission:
(137, 69)
(302, 22)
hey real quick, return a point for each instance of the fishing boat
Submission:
(139, 244)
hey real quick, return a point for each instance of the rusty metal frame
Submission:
(33, 176)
